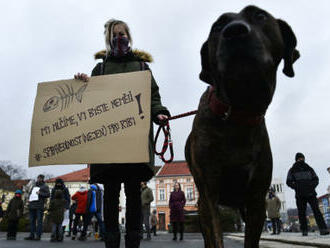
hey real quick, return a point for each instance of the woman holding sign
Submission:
(120, 58)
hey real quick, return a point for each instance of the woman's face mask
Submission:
(120, 46)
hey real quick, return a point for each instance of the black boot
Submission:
(132, 239)
(112, 240)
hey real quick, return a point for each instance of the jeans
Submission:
(75, 224)
(57, 231)
(302, 205)
(99, 221)
(36, 218)
(12, 228)
(154, 230)
(145, 219)
(276, 225)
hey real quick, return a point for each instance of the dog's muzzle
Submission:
(236, 29)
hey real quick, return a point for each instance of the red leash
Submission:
(168, 143)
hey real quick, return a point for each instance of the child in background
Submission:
(154, 222)
(14, 213)
(56, 215)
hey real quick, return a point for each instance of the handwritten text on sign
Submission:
(106, 120)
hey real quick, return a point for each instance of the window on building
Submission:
(161, 181)
(188, 180)
(281, 188)
(161, 194)
(174, 180)
(189, 193)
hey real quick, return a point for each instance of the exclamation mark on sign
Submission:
(138, 99)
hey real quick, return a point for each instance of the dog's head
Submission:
(241, 56)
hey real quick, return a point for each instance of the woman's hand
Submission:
(162, 118)
(81, 76)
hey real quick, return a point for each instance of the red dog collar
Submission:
(228, 113)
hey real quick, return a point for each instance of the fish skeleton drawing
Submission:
(64, 98)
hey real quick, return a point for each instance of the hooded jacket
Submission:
(273, 206)
(81, 198)
(57, 207)
(302, 178)
(133, 61)
(146, 197)
(66, 194)
(15, 209)
(94, 199)
(42, 197)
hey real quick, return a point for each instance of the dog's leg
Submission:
(255, 218)
(210, 223)
(206, 225)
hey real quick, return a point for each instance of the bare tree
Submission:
(13, 170)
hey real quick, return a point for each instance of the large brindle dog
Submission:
(228, 149)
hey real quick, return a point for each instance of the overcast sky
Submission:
(51, 40)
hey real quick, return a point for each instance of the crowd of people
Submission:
(75, 213)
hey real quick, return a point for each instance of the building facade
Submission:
(324, 205)
(165, 179)
(76, 179)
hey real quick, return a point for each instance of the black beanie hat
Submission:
(299, 155)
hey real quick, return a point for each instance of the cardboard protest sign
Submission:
(106, 120)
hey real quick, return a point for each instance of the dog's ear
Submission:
(205, 74)
(291, 54)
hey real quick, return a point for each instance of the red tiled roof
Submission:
(323, 196)
(21, 182)
(174, 169)
(75, 176)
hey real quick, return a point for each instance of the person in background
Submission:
(56, 214)
(146, 199)
(154, 222)
(273, 206)
(59, 185)
(1, 211)
(81, 212)
(71, 216)
(303, 179)
(94, 207)
(120, 58)
(14, 213)
(38, 195)
(177, 203)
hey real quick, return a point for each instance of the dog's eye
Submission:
(217, 28)
(261, 16)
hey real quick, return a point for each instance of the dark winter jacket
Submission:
(146, 197)
(66, 194)
(1, 211)
(15, 209)
(302, 178)
(42, 197)
(94, 201)
(57, 207)
(81, 198)
(134, 61)
(177, 203)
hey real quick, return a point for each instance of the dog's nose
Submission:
(236, 29)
